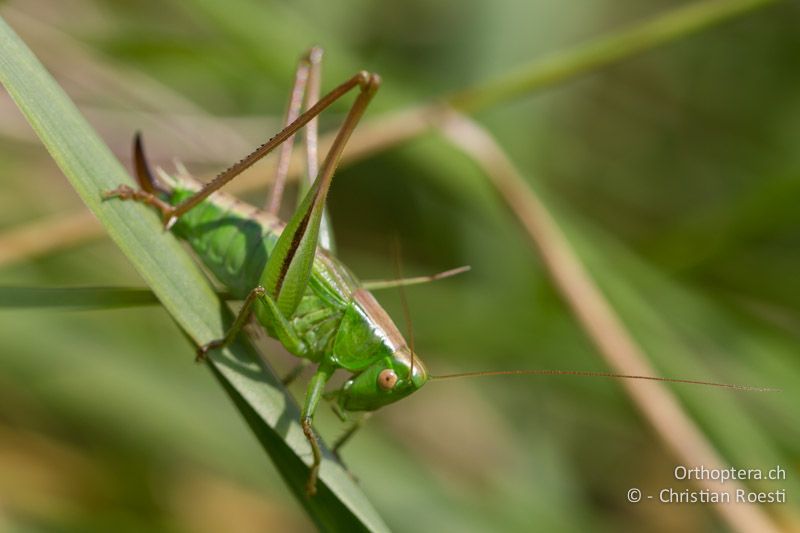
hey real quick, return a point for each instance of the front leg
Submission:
(294, 373)
(348, 434)
(315, 391)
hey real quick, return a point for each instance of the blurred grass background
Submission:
(675, 174)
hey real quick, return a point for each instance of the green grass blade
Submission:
(180, 286)
(75, 298)
(79, 298)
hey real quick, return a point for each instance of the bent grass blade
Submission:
(657, 404)
(79, 298)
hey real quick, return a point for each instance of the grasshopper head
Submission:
(384, 382)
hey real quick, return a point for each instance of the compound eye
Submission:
(387, 379)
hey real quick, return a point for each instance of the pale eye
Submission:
(386, 379)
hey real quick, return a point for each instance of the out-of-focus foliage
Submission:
(676, 175)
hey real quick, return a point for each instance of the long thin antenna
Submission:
(398, 265)
(273, 204)
(602, 375)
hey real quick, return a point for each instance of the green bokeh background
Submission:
(675, 174)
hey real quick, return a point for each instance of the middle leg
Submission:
(306, 74)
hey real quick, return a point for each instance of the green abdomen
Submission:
(235, 247)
